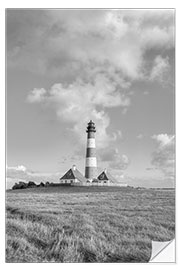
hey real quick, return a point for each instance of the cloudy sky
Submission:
(116, 67)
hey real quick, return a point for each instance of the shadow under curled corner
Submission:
(163, 252)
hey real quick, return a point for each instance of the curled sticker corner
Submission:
(163, 251)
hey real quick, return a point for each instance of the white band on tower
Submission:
(91, 143)
(91, 162)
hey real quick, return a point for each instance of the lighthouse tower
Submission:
(91, 163)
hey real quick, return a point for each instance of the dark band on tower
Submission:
(91, 163)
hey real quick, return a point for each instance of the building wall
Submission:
(68, 181)
(100, 184)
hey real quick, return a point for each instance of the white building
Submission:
(72, 176)
(105, 178)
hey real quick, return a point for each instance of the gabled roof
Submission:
(73, 173)
(68, 175)
(78, 175)
(105, 175)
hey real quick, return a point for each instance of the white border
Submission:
(80, 4)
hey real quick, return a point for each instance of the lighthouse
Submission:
(91, 162)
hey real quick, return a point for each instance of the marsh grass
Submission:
(87, 225)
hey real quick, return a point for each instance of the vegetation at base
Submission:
(87, 224)
(30, 184)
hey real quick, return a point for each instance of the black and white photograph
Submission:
(90, 135)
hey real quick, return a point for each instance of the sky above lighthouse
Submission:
(116, 67)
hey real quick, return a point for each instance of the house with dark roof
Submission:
(106, 178)
(72, 176)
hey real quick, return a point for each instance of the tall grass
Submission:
(87, 225)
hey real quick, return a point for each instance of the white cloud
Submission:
(140, 136)
(17, 168)
(120, 162)
(57, 42)
(95, 54)
(163, 157)
(114, 159)
(79, 102)
(164, 139)
(105, 50)
(36, 95)
(160, 68)
(156, 37)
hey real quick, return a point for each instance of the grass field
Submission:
(87, 224)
